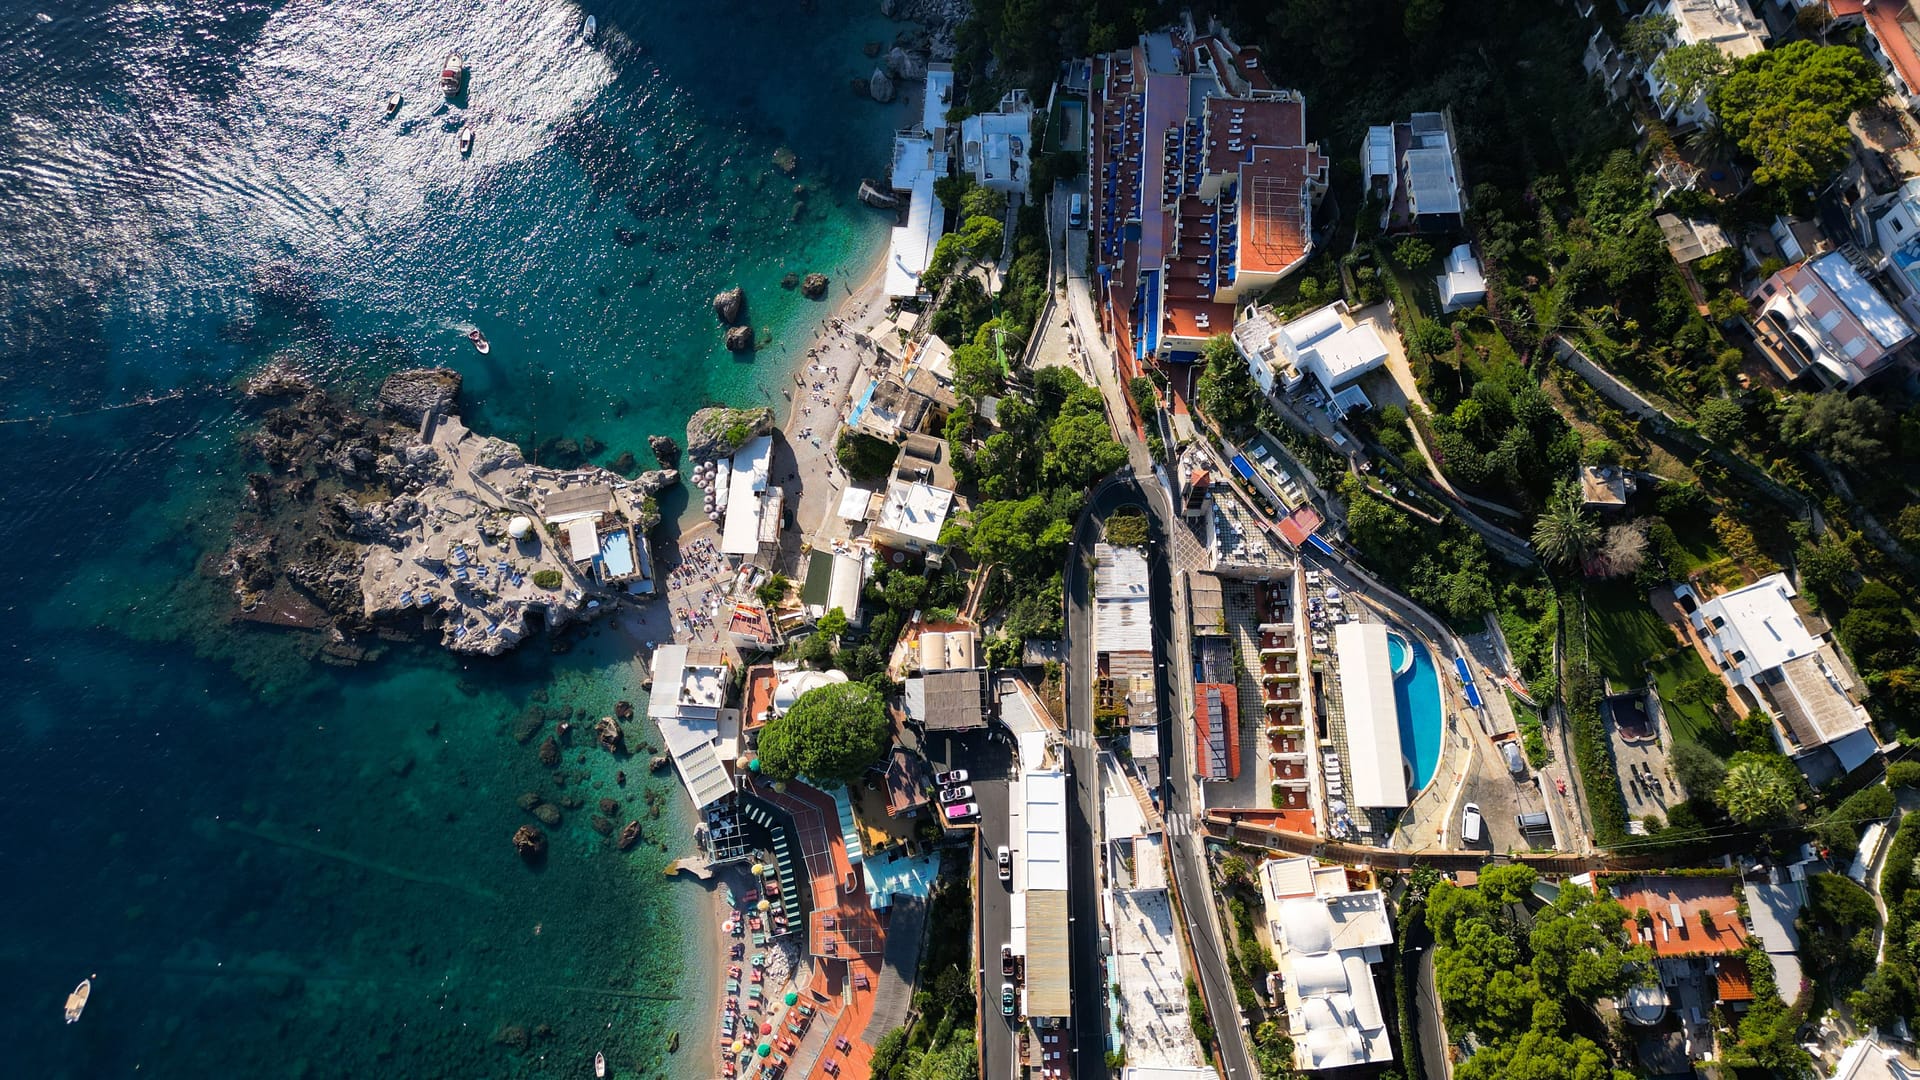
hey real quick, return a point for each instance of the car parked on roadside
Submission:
(1005, 859)
(958, 793)
(948, 779)
(1006, 999)
(1006, 960)
(961, 811)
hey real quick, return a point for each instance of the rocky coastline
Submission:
(390, 522)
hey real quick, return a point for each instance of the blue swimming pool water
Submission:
(1422, 719)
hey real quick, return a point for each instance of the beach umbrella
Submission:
(754, 765)
(738, 1046)
(766, 1027)
(764, 905)
(759, 868)
(792, 997)
(763, 1049)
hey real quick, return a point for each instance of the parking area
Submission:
(1639, 754)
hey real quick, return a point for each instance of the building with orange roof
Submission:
(1674, 926)
(1892, 30)
(1203, 193)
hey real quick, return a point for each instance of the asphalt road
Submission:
(987, 765)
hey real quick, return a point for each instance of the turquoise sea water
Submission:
(274, 866)
(1416, 695)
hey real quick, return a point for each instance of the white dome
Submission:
(795, 683)
(520, 527)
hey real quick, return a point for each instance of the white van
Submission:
(1076, 214)
(1471, 829)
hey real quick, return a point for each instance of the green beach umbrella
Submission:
(764, 1049)
(754, 765)
(792, 997)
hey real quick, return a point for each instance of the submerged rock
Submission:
(630, 835)
(548, 814)
(601, 825)
(814, 287)
(739, 338)
(550, 752)
(609, 807)
(530, 842)
(665, 450)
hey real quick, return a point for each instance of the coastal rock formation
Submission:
(531, 843)
(902, 64)
(739, 338)
(548, 814)
(601, 825)
(409, 395)
(630, 835)
(665, 450)
(611, 738)
(880, 87)
(654, 481)
(718, 432)
(550, 752)
(729, 305)
(277, 379)
(814, 286)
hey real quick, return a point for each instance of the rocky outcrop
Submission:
(654, 481)
(905, 65)
(550, 752)
(730, 305)
(630, 835)
(531, 843)
(277, 379)
(612, 739)
(409, 395)
(814, 286)
(718, 432)
(548, 814)
(665, 450)
(739, 338)
(880, 86)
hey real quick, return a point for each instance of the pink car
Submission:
(960, 811)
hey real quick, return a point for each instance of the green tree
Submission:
(1788, 107)
(1688, 72)
(830, 735)
(1849, 431)
(774, 589)
(1565, 534)
(1754, 793)
(1227, 390)
(1413, 253)
(1699, 770)
(1483, 984)
(982, 201)
(1580, 948)
(832, 624)
(1081, 448)
(1721, 420)
(1127, 530)
(976, 371)
(1646, 36)
(1541, 1055)
(953, 1060)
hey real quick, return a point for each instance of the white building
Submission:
(1326, 941)
(912, 517)
(1412, 168)
(1821, 319)
(753, 504)
(1327, 345)
(1041, 907)
(993, 146)
(920, 158)
(688, 704)
(1375, 776)
(1893, 222)
(1462, 285)
(1729, 24)
(1765, 649)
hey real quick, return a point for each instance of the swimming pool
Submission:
(1416, 696)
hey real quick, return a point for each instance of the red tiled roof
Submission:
(1660, 895)
(1891, 21)
(1182, 318)
(1733, 980)
(1275, 228)
(1261, 122)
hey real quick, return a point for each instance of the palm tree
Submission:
(1754, 793)
(1565, 534)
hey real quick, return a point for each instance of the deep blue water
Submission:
(274, 866)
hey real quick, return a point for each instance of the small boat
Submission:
(393, 103)
(599, 1064)
(453, 75)
(479, 340)
(466, 147)
(77, 1001)
(589, 28)
(673, 1042)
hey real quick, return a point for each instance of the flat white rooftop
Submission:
(1045, 794)
(916, 509)
(1759, 623)
(1377, 778)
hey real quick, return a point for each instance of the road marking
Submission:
(1179, 824)
(1080, 738)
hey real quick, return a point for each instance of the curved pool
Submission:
(1416, 696)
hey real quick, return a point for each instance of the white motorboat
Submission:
(599, 1064)
(480, 342)
(393, 103)
(589, 28)
(453, 75)
(466, 140)
(77, 1001)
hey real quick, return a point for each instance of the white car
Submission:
(960, 793)
(948, 779)
(1471, 829)
(1005, 859)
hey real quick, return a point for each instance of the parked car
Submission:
(1005, 859)
(1006, 960)
(959, 793)
(961, 811)
(1006, 999)
(1472, 825)
(1516, 764)
(948, 779)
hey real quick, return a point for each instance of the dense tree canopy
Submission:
(831, 734)
(1755, 791)
(1227, 392)
(1788, 107)
(1565, 534)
